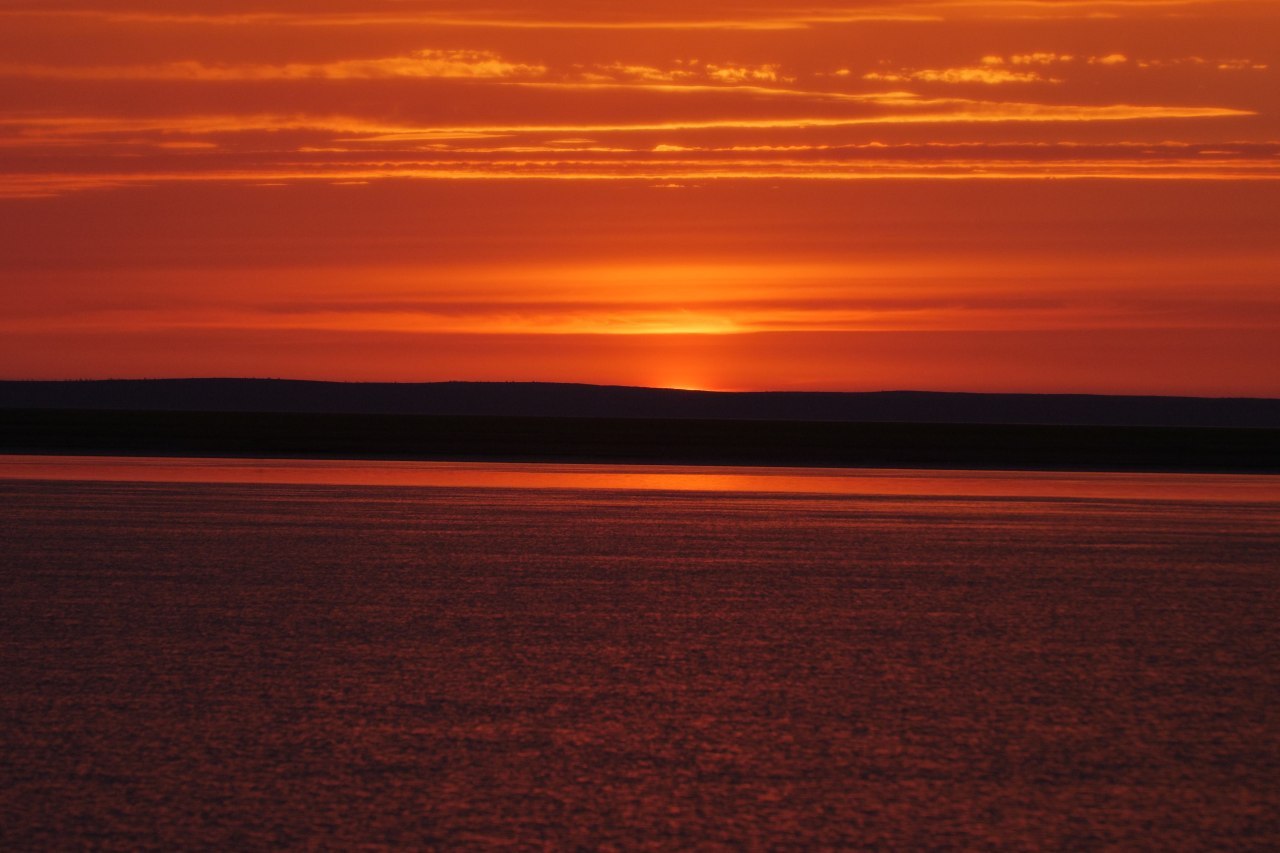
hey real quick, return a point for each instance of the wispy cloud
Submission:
(1042, 67)
(444, 64)
(641, 17)
(984, 74)
(652, 173)
(922, 111)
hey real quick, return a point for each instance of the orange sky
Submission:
(1029, 195)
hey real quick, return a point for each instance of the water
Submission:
(249, 653)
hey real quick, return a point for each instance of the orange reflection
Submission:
(471, 475)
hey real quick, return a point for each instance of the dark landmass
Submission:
(651, 441)
(551, 400)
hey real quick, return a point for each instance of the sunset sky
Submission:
(1009, 195)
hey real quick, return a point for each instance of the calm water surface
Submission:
(251, 653)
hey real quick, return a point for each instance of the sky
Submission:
(965, 195)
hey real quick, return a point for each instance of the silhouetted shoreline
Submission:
(641, 441)
(567, 400)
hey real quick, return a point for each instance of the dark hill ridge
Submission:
(555, 400)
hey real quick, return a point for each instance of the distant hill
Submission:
(536, 399)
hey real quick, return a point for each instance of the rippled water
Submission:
(1025, 660)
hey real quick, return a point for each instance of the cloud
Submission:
(746, 74)
(778, 16)
(621, 71)
(994, 69)
(1040, 58)
(990, 70)
(696, 299)
(446, 64)
(984, 74)
(516, 17)
(344, 131)
(1240, 65)
(1235, 64)
(685, 72)
(923, 111)
(648, 170)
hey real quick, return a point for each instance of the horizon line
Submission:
(257, 379)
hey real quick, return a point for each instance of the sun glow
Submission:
(973, 194)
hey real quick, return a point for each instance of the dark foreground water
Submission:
(231, 665)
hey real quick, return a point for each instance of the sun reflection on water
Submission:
(675, 478)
